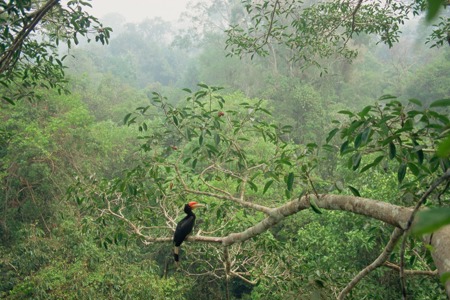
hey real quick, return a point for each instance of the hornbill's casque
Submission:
(184, 227)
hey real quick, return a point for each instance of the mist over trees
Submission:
(315, 133)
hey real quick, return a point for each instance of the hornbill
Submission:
(184, 227)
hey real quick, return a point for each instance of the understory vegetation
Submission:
(295, 138)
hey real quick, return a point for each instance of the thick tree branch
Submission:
(391, 214)
(7, 57)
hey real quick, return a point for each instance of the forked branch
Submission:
(381, 259)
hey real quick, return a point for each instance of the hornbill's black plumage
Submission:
(184, 227)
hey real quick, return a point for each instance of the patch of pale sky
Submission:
(137, 10)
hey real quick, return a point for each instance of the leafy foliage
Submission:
(322, 29)
(29, 60)
(406, 134)
(238, 150)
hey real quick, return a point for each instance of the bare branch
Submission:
(411, 272)
(395, 236)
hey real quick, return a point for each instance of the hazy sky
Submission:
(137, 10)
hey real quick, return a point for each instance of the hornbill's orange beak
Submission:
(194, 204)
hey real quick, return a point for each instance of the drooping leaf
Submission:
(443, 149)
(387, 97)
(203, 85)
(290, 181)
(356, 160)
(346, 112)
(433, 8)
(127, 117)
(267, 186)
(358, 140)
(217, 139)
(9, 100)
(365, 135)
(415, 101)
(392, 150)
(354, 191)
(314, 206)
(253, 186)
(414, 169)
(331, 134)
(344, 147)
(339, 185)
(401, 172)
(440, 103)
(420, 156)
(431, 220)
(365, 111)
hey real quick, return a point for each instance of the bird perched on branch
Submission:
(184, 227)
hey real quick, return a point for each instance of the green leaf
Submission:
(373, 164)
(287, 193)
(290, 181)
(365, 111)
(346, 112)
(430, 220)
(392, 150)
(203, 85)
(217, 139)
(344, 147)
(265, 111)
(365, 135)
(358, 140)
(175, 120)
(440, 103)
(420, 156)
(9, 100)
(125, 120)
(314, 206)
(356, 160)
(387, 97)
(415, 101)
(366, 167)
(354, 191)
(267, 186)
(200, 139)
(433, 8)
(332, 134)
(443, 149)
(339, 185)
(414, 169)
(445, 277)
(401, 172)
(253, 186)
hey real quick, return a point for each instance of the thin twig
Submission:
(411, 272)
(395, 236)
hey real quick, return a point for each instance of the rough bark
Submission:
(395, 215)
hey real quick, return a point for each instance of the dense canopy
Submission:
(317, 135)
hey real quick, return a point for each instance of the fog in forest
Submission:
(308, 136)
